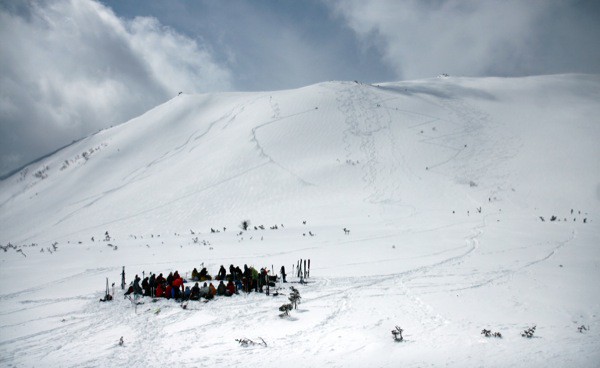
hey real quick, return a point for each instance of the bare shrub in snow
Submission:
(247, 342)
(583, 328)
(397, 333)
(294, 297)
(285, 308)
(245, 224)
(42, 173)
(528, 333)
(489, 333)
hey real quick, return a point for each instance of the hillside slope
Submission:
(198, 159)
(443, 184)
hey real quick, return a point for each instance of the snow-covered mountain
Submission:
(448, 187)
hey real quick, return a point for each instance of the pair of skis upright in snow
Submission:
(302, 272)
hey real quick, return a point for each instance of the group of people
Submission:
(173, 286)
(247, 280)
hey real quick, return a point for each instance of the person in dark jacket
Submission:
(160, 280)
(137, 289)
(152, 281)
(283, 274)
(232, 272)
(262, 279)
(195, 294)
(221, 289)
(247, 279)
(238, 285)
(204, 275)
(222, 273)
(146, 287)
(129, 290)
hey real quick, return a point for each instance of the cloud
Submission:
(477, 38)
(269, 45)
(71, 67)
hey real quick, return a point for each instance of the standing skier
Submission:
(283, 275)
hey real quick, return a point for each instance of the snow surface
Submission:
(441, 182)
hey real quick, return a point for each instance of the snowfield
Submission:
(448, 187)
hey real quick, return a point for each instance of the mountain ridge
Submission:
(379, 137)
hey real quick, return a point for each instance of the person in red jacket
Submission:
(178, 287)
(230, 289)
(159, 291)
(178, 283)
(168, 291)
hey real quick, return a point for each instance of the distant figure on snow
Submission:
(283, 274)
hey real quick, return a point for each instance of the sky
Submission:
(69, 68)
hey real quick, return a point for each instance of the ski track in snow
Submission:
(367, 124)
(141, 173)
(276, 119)
(329, 308)
(340, 292)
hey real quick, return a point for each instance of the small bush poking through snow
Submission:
(528, 333)
(583, 328)
(244, 225)
(489, 333)
(285, 308)
(294, 297)
(247, 342)
(397, 333)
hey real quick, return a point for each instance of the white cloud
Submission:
(176, 61)
(70, 67)
(471, 37)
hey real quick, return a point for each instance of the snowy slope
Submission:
(441, 182)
